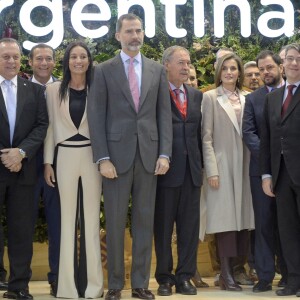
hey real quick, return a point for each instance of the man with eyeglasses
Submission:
(252, 78)
(280, 163)
(266, 232)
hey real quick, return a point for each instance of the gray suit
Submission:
(133, 142)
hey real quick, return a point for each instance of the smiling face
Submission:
(229, 74)
(292, 66)
(78, 61)
(42, 64)
(131, 36)
(10, 60)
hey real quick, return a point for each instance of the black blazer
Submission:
(186, 142)
(30, 129)
(281, 136)
(252, 118)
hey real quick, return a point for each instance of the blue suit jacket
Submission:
(252, 119)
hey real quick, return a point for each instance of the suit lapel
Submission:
(147, 75)
(190, 96)
(277, 99)
(293, 104)
(225, 104)
(21, 98)
(65, 108)
(3, 107)
(119, 76)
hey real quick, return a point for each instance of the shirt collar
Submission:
(125, 57)
(36, 81)
(296, 84)
(14, 80)
(271, 88)
(173, 87)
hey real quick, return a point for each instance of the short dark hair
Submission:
(129, 17)
(66, 70)
(11, 41)
(41, 46)
(221, 60)
(265, 53)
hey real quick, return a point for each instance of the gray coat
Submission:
(229, 208)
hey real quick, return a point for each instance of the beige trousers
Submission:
(74, 161)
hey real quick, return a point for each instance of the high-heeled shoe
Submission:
(226, 280)
(229, 286)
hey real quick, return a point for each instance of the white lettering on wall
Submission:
(77, 16)
(219, 10)
(287, 15)
(199, 24)
(56, 25)
(170, 11)
(149, 9)
(5, 3)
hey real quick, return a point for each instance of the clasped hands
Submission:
(108, 170)
(11, 159)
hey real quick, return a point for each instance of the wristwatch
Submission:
(23, 153)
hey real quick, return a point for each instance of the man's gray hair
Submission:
(168, 53)
(250, 64)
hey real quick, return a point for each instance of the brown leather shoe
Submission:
(198, 282)
(113, 294)
(142, 293)
(253, 275)
(243, 279)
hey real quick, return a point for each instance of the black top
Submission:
(77, 103)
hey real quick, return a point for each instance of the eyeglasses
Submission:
(291, 59)
(268, 68)
(250, 75)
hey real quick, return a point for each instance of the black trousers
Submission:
(179, 205)
(288, 213)
(19, 215)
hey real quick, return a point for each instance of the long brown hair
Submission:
(221, 60)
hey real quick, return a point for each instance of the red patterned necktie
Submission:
(288, 99)
(133, 84)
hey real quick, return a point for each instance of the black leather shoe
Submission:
(287, 291)
(3, 286)
(298, 293)
(186, 288)
(262, 286)
(164, 289)
(113, 295)
(282, 282)
(53, 288)
(18, 295)
(142, 294)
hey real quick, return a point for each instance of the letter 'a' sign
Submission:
(79, 16)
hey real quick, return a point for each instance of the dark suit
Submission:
(50, 199)
(133, 141)
(16, 189)
(280, 148)
(178, 195)
(266, 231)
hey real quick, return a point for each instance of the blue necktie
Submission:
(11, 107)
